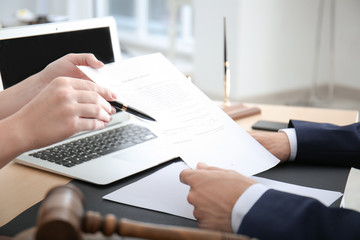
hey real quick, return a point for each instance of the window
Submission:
(124, 12)
(153, 25)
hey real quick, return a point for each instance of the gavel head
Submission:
(60, 215)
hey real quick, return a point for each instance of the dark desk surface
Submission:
(324, 177)
(16, 195)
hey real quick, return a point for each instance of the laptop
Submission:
(123, 148)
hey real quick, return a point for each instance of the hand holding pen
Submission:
(122, 107)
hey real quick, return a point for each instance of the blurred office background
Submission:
(295, 52)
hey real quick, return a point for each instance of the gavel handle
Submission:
(129, 228)
(93, 222)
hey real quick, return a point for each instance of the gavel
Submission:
(62, 216)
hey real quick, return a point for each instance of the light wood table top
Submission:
(281, 113)
(21, 187)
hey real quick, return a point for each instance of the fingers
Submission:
(106, 93)
(185, 175)
(88, 124)
(91, 111)
(94, 100)
(88, 97)
(203, 166)
(91, 99)
(85, 60)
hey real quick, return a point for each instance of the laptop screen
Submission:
(22, 57)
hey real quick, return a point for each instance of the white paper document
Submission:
(326, 197)
(196, 129)
(162, 191)
(351, 199)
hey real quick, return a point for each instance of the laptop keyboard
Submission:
(82, 150)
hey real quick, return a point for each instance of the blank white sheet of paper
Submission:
(162, 191)
(351, 199)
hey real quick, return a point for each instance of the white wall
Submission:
(8, 8)
(276, 46)
(271, 45)
(73, 9)
(348, 43)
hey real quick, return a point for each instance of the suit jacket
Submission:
(327, 143)
(279, 215)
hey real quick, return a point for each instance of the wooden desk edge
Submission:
(22, 187)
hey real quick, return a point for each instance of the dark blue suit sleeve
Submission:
(327, 143)
(279, 215)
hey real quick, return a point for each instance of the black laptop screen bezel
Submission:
(24, 56)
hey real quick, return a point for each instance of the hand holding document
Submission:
(163, 192)
(197, 129)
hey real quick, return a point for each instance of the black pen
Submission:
(122, 107)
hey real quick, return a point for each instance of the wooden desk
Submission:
(21, 187)
(282, 113)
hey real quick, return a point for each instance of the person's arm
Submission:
(327, 143)
(319, 143)
(66, 106)
(15, 97)
(280, 215)
(291, 134)
(275, 215)
(245, 202)
(275, 142)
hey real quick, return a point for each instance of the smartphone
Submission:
(269, 125)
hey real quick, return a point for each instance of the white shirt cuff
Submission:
(245, 202)
(291, 134)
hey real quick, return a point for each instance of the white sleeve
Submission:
(245, 203)
(291, 134)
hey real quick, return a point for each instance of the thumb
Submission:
(204, 166)
(85, 59)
